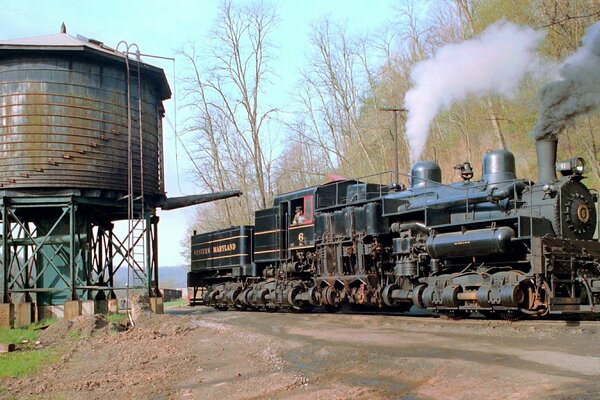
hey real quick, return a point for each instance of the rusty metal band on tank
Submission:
(501, 246)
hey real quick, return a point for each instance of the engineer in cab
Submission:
(298, 217)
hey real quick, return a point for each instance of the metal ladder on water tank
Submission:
(138, 253)
(136, 207)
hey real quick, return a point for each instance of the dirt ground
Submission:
(202, 353)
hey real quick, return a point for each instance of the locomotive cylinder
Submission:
(407, 267)
(477, 242)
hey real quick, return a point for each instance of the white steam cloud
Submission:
(577, 93)
(493, 62)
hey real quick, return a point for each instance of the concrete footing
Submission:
(46, 312)
(101, 306)
(113, 306)
(157, 305)
(88, 307)
(7, 315)
(72, 309)
(24, 314)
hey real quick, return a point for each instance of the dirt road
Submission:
(205, 354)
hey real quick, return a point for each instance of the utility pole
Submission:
(395, 111)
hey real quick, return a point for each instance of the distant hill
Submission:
(169, 277)
(173, 277)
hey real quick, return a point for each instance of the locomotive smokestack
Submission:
(546, 156)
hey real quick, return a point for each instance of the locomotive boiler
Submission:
(501, 246)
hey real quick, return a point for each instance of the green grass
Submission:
(116, 318)
(75, 334)
(8, 335)
(21, 363)
(30, 333)
(176, 303)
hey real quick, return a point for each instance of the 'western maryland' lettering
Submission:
(222, 248)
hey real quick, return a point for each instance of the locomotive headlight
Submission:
(579, 166)
(549, 189)
(571, 166)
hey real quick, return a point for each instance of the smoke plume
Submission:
(493, 62)
(577, 93)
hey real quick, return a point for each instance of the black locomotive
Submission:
(499, 246)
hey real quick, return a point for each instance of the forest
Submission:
(338, 121)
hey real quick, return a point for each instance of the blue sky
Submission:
(162, 27)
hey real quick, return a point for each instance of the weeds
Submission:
(116, 318)
(21, 363)
(26, 360)
(75, 334)
(176, 303)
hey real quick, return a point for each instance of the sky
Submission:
(163, 27)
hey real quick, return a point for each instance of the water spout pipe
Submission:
(186, 201)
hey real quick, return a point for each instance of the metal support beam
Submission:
(155, 220)
(5, 256)
(148, 253)
(109, 262)
(60, 251)
(72, 266)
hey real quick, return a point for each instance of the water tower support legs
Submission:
(72, 265)
(149, 258)
(5, 264)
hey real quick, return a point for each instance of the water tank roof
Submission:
(64, 42)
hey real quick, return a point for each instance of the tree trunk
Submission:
(495, 124)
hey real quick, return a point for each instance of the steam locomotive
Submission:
(502, 246)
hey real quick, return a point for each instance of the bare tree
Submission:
(332, 96)
(224, 92)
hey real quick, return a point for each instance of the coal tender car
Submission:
(502, 246)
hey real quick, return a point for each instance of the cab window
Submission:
(308, 209)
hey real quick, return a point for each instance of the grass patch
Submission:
(116, 318)
(17, 335)
(30, 333)
(75, 334)
(176, 303)
(44, 322)
(21, 363)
